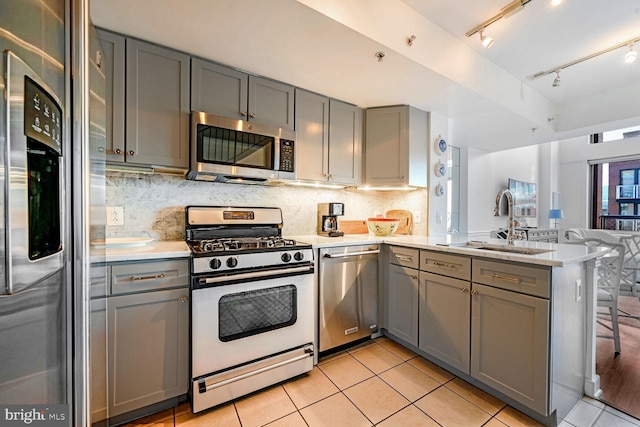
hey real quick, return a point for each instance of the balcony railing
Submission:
(627, 192)
(620, 222)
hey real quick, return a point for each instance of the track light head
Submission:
(631, 56)
(556, 81)
(487, 41)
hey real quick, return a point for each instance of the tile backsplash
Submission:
(154, 204)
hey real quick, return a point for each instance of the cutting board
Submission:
(351, 226)
(406, 220)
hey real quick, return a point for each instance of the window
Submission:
(616, 195)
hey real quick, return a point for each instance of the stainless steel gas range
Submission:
(252, 303)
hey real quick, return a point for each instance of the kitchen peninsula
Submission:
(513, 318)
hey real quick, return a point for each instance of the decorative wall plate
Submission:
(440, 145)
(441, 169)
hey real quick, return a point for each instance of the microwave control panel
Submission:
(286, 155)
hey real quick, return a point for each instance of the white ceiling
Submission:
(328, 46)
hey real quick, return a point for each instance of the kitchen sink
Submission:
(498, 248)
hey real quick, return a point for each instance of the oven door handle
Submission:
(350, 254)
(254, 275)
(204, 388)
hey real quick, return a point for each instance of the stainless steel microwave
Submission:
(228, 150)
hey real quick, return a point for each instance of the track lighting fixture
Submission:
(380, 56)
(409, 40)
(505, 12)
(631, 56)
(628, 58)
(487, 41)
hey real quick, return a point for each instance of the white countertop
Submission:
(560, 254)
(153, 250)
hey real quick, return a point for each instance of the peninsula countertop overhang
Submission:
(558, 255)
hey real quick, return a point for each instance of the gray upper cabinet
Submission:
(396, 151)
(220, 90)
(345, 139)
(227, 92)
(271, 102)
(113, 46)
(157, 105)
(329, 139)
(312, 136)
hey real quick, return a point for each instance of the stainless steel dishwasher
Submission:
(348, 294)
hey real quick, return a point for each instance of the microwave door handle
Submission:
(276, 154)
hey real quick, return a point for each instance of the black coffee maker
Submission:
(328, 219)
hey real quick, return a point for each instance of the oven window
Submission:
(232, 147)
(250, 313)
(44, 200)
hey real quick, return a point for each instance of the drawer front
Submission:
(149, 276)
(528, 280)
(405, 257)
(455, 266)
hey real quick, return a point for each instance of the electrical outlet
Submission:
(417, 217)
(438, 217)
(578, 290)
(115, 215)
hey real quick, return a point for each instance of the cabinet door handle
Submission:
(413, 276)
(513, 279)
(153, 276)
(444, 265)
(404, 258)
(243, 113)
(184, 298)
(474, 292)
(118, 151)
(252, 115)
(131, 152)
(464, 290)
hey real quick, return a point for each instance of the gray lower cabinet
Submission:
(139, 336)
(510, 344)
(98, 359)
(488, 319)
(445, 316)
(403, 294)
(148, 337)
(227, 92)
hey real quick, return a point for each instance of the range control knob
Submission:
(298, 256)
(286, 257)
(232, 262)
(215, 263)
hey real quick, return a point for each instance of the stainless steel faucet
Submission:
(512, 234)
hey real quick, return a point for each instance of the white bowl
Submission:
(383, 226)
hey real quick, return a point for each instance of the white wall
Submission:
(488, 173)
(438, 128)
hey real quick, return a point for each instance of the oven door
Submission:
(237, 323)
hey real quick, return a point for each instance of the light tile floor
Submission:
(378, 383)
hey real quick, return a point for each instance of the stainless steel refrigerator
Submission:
(48, 164)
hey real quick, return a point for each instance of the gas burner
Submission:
(239, 244)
